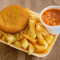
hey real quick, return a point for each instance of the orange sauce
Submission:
(51, 17)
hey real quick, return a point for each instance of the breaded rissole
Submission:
(13, 19)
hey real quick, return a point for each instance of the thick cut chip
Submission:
(30, 49)
(24, 43)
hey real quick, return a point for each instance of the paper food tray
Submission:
(45, 53)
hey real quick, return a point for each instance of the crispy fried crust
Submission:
(13, 19)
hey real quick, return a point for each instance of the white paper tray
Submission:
(35, 54)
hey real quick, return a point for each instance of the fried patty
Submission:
(13, 19)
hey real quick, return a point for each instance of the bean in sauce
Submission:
(51, 17)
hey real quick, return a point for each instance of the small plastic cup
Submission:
(51, 29)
